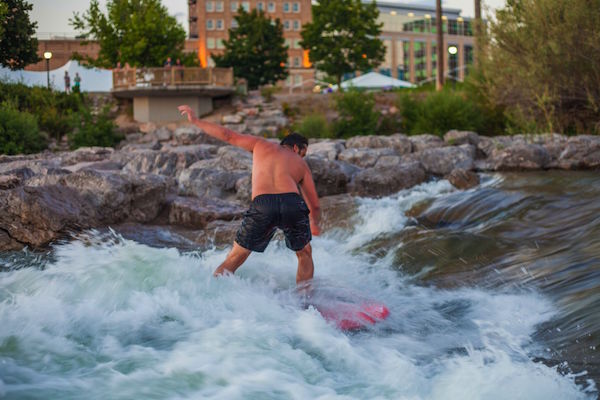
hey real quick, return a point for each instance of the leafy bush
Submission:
(314, 126)
(357, 115)
(267, 92)
(19, 132)
(438, 112)
(389, 124)
(93, 130)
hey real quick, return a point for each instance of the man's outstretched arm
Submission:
(246, 142)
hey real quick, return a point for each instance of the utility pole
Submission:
(478, 28)
(439, 84)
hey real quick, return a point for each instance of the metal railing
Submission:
(124, 78)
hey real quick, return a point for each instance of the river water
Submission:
(494, 293)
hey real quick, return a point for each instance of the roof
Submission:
(375, 80)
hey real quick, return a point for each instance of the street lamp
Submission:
(452, 50)
(48, 56)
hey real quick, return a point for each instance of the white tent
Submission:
(374, 80)
(92, 79)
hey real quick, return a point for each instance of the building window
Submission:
(209, 25)
(234, 24)
(296, 62)
(288, 80)
(288, 43)
(210, 6)
(271, 7)
(234, 6)
(286, 7)
(210, 43)
(219, 7)
(296, 25)
(286, 25)
(296, 7)
(297, 44)
(297, 79)
(260, 6)
(246, 6)
(220, 24)
(220, 44)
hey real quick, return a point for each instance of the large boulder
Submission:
(383, 181)
(456, 138)
(580, 152)
(191, 134)
(87, 154)
(442, 160)
(364, 157)
(426, 141)
(188, 155)
(329, 176)
(195, 212)
(326, 149)
(463, 179)
(519, 157)
(400, 143)
(153, 162)
(209, 182)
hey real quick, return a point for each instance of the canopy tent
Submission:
(374, 80)
(92, 79)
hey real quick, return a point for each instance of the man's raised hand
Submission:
(188, 112)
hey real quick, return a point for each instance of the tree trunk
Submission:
(478, 27)
(339, 83)
(439, 84)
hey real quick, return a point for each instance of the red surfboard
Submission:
(353, 316)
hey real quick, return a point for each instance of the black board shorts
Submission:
(286, 211)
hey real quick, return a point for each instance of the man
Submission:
(67, 83)
(279, 174)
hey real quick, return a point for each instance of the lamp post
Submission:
(48, 56)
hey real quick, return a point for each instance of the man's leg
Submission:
(306, 267)
(235, 258)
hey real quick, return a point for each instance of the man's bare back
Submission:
(278, 171)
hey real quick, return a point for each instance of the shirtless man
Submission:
(278, 173)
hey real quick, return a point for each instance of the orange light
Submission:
(282, 64)
(364, 55)
(202, 51)
(305, 59)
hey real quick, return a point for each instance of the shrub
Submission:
(314, 126)
(93, 130)
(19, 132)
(267, 92)
(357, 115)
(389, 124)
(439, 112)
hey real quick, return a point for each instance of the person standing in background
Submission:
(77, 80)
(67, 83)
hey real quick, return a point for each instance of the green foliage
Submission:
(93, 130)
(52, 109)
(438, 112)
(19, 132)
(288, 110)
(344, 37)
(541, 64)
(267, 92)
(138, 32)
(389, 124)
(18, 46)
(357, 115)
(256, 49)
(314, 126)
(190, 59)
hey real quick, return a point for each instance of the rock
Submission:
(191, 134)
(328, 149)
(27, 168)
(208, 182)
(132, 147)
(133, 137)
(243, 189)
(426, 141)
(228, 158)
(188, 155)
(163, 134)
(337, 211)
(197, 212)
(388, 161)
(520, 157)
(9, 244)
(107, 165)
(442, 160)
(383, 181)
(148, 197)
(87, 154)
(241, 128)
(462, 178)
(249, 112)
(149, 137)
(328, 176)
(364, 157)
(580, 152)
(232, 119)
(398, 142)
(147, 127)
(154, 162)
(36, 216)
(9, 181)
(456, 138)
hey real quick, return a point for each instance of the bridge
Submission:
(156, 92)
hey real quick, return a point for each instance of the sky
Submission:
(53, 16)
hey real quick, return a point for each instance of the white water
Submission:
(113, 319)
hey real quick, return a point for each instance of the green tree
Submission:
(542, 64)
(18, 46)
(255, 49)
(138, 32)
(343, 37)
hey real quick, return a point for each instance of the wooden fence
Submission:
(125, 78)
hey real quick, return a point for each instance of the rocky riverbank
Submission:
(181, 178)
